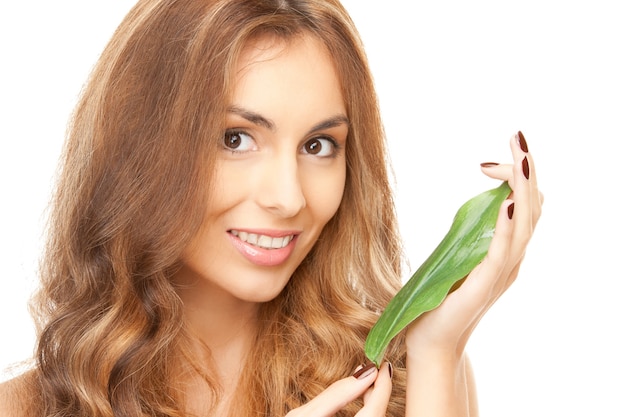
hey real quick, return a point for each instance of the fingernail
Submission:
(510, 210)
(525, 168)
(522, 141)
(489, 164)
(364, 370)
(390, 370)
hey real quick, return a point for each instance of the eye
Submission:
(238, 141)
(322, 147)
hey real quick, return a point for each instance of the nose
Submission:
(280, 187)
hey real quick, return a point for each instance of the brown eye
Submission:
(322, 147)
(313, 146)
(232, 140)
(238, 141)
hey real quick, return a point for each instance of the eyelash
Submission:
(335, 145)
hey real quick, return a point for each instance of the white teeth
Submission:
(263, 241)
(252, 239)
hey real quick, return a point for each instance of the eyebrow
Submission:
(259, 120)
(331, 122)
(252, 117)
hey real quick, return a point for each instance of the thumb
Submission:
(339, 394)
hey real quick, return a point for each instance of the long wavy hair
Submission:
(132, 187)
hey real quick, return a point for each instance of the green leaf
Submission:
(464, 246)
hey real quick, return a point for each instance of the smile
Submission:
(263, 241)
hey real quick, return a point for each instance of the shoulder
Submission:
(13, 394)
(8, 391)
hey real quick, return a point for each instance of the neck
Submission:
(223, 329)
(221, 322)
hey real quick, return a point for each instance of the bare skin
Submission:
(11, 402)
(280, 175)
(440, 381)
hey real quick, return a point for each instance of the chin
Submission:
(261, 293)
(262, 296)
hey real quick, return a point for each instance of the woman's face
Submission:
(280, 171)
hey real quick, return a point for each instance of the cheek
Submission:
(230, 185)
(324, 193)
(226, 191)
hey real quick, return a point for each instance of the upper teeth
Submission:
(263, 241)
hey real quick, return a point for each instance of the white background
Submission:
(456, 80)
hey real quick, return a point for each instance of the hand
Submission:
(446, 329)
(374, 385)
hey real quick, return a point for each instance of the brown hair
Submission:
(131, 193)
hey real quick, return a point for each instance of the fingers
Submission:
(377, 397)
(503, 172)
(518, 216)
(367, 381)
(526, 195)
(493, 268)
(482, 286)
(451, 324)
(522, 178)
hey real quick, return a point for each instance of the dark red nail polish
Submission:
(525, 168)
(522, 141)
(364, 371)
(489, 164)
(510, 210)
(390, 370)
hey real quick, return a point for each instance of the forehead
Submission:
(274, 69)
(264, 49)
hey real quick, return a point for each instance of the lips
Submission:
(263, 249)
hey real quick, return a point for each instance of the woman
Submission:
(223, 235)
